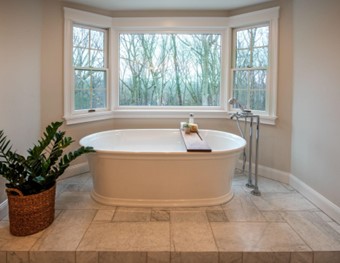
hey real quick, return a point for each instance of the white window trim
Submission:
(72, 17)
(271, 16)
(116, 25)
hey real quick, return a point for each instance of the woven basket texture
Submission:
(31, 213)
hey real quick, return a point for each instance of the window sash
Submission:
(91, 90)
(209, 96)
(249, 90)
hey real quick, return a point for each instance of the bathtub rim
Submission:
(234, 150)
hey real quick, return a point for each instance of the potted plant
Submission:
(32, 178)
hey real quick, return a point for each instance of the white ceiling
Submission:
(168, 4)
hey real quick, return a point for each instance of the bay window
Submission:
(168, 67)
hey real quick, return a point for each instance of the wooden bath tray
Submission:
(194, 142)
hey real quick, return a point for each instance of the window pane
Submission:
(80, 57)
(97, 59)
(88, 47)
(170, 69)
(81, 37)
(241, 96)
(241, 79)
(90, 89)
(82, 99)
(82, 86)
(258, 100)
(243, 58)
(260, 57)
(82, 79)
(99, 89)
(261, 36)
(97, 40)
(259, 79)
(243, 39)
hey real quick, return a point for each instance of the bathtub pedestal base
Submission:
(162, 203)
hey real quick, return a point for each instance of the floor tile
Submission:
(301, 257)
(194, 257)
(216, 216)
(272, 216)
(104, 215)
(158, 257)
(52, 257)
(241, 208)
(78, 200)
(278, 226)
(79, 179)
(66, 232)
(122, 257)
(86, 256)
(257, 236)
(323, 216)
(3, 211)
(266, 257)
(327, 257)
(8, 242)
(18, 257)
(160, 215)
(3, 257)
(239, 178)
(291, 201)
(127, 236)
(190, 232)
(335, 226)
(230, 257)
(271, 186)
(126, 214)
(315, 232)
(195, 209)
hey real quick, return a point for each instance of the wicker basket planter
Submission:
(32, 178)
(30, 214)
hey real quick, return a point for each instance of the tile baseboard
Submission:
(316, 198)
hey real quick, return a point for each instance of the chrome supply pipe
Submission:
(243, 134)
(250, 183)
(245, 114)
(256, 190)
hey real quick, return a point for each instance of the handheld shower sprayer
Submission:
(236, 104)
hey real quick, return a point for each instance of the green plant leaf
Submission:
(44, 163)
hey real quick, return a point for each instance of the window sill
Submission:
(157, 114)
(264, 119)
(88, 117)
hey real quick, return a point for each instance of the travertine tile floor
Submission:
(278, 226)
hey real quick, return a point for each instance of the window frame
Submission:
(102, 69)
(234, 68)
(114, 26)
(271, 16)
(189, 109)
(76, 17)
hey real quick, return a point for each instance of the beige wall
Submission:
(275, 140)
(316, 121)
(20, 46)
(31, 73)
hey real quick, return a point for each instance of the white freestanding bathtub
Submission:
(151, 167)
